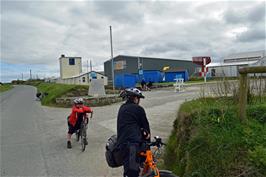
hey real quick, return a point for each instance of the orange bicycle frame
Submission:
(149, 164)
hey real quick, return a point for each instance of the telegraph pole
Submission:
(87, 66)
(112, 58)
(90, 66)
(30, 74)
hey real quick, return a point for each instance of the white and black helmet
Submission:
(78, 101)
(131, 92)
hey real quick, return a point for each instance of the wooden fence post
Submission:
(243, 89)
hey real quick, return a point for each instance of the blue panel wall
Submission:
(171, 76)
(153, 76)
(125, 80)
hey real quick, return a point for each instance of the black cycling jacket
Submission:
(131, 118)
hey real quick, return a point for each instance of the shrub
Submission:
(209, 140)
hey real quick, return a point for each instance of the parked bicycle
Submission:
(151, 154)
(81, 134)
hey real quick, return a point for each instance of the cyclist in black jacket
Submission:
(132, 129)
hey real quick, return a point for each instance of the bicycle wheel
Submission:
(83, 137)
(165, 173)
(77, 135)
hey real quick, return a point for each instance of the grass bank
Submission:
(60, 90)
(5, 87)
(209, 140)
(66, 91)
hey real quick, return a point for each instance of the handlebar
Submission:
(158, 142)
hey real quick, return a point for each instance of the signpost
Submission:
(203, 61)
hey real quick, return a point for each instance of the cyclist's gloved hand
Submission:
(145, 134)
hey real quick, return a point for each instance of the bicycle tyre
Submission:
(83, 145)
(166, 173)
(77, 135)
(83, 138)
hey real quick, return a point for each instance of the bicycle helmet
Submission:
(131, 92)
(78, 101)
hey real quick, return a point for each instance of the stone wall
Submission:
(90, 101)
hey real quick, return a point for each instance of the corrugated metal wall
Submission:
(125, 81)
(155, 64)
(171, 76)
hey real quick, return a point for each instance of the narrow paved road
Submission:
(33, 137)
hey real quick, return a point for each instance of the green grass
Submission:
(209, 140)
(5, 87)
(55, 91)
(59, 90)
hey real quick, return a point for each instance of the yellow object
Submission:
(166, 68)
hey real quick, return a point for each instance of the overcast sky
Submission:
(35, 34)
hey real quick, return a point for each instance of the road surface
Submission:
(33, 137)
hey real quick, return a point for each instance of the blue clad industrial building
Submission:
(129, 70)
(173, 74)
(151, 75)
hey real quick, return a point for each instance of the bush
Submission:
(209, 140)
(258, 157)
(257, 112)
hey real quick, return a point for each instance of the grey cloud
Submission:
(164, 47)
(232, 16)
(252, 35)
(249, 15)
(39, 32)
(120, 11)
(258, 13)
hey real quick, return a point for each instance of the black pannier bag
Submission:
(113, 155)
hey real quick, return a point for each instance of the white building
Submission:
(71, 72)
(230, 64)
(69, 66)
(84, 78)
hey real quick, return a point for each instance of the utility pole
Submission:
(22, 76)
(87, 66)
(90, 66)
(112, 58)
(30, 74)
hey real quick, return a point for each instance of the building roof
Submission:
(238, 59)
(68, 57)
(128, 56)
(246, 55)
(231, 64)
(82, 74)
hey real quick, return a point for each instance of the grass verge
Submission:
(5, 87)
(209, 140)
(59, 90)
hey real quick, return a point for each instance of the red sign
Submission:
(199, 60)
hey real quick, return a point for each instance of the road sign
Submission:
(200, 60)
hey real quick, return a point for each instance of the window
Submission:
(119, 65)
(83, 79)
(71, 61)
(93, 75)
(213, 72)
